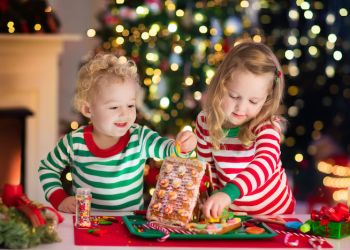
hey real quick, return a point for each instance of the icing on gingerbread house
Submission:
(176, 192)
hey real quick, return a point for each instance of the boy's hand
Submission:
(187, 141)
(214, 206)
(67, 205)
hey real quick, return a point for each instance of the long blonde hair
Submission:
(100, 69)
(258, 59)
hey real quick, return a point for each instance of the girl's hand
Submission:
(187, 141)
(67, 205)
(214, 206)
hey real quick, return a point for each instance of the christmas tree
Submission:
(18, 16)
(178, 45)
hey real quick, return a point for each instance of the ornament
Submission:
(154, 5)
(233, 25)
(127, 13)
(215, 24)
(151, 178)
(111, 19)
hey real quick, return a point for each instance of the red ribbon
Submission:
(13, 196)
(338, 213)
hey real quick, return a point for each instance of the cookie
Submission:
(215, 228)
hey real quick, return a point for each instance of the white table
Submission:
(65, 231)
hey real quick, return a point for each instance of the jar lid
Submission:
(83, 191)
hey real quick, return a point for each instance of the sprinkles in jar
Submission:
(83, 207)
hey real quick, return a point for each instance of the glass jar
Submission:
(83, 207)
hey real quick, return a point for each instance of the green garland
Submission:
(16, 230)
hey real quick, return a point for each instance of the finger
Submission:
(213, 211)
(206, 210)
(219, 212)
(72, 208)
(188, 144)
(219, 208)
(183, 138)
(64, 209)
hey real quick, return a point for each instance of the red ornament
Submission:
(205, 183)
(151, 178)
(226, 45)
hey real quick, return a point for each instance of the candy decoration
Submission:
(255, 230)
(293, 225)
(299, 234)
(291, 240)
(180, 154)
(165, 230)
(305, 228)
(157, 227)
(97, 231)
(105, 222)
(316, 243)
(83, 207)
(110, 218)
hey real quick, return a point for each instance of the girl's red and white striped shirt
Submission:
(256, 170)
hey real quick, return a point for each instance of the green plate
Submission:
(133, 222)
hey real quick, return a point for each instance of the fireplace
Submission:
(12, 145)
(29, 67)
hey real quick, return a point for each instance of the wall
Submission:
(76, 17)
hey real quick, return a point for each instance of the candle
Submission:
(11, 193)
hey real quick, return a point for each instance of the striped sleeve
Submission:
(153, 145)
(265, 162)
(52, 166)
(204, 147)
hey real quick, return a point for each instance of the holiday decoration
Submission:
(177, 191)
(23, 223)
(331, 222)
(17, 16)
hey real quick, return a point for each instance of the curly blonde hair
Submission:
(100, 70)
(258, 59)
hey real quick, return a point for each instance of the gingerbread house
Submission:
(177, 191)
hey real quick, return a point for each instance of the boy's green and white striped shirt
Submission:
(116, 181)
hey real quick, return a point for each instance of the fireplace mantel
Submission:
(29, 69)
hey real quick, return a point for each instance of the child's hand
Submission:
(67, 205)
(214, 206)
(187, 141)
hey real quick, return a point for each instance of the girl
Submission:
(239, 134)
(108, 155)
